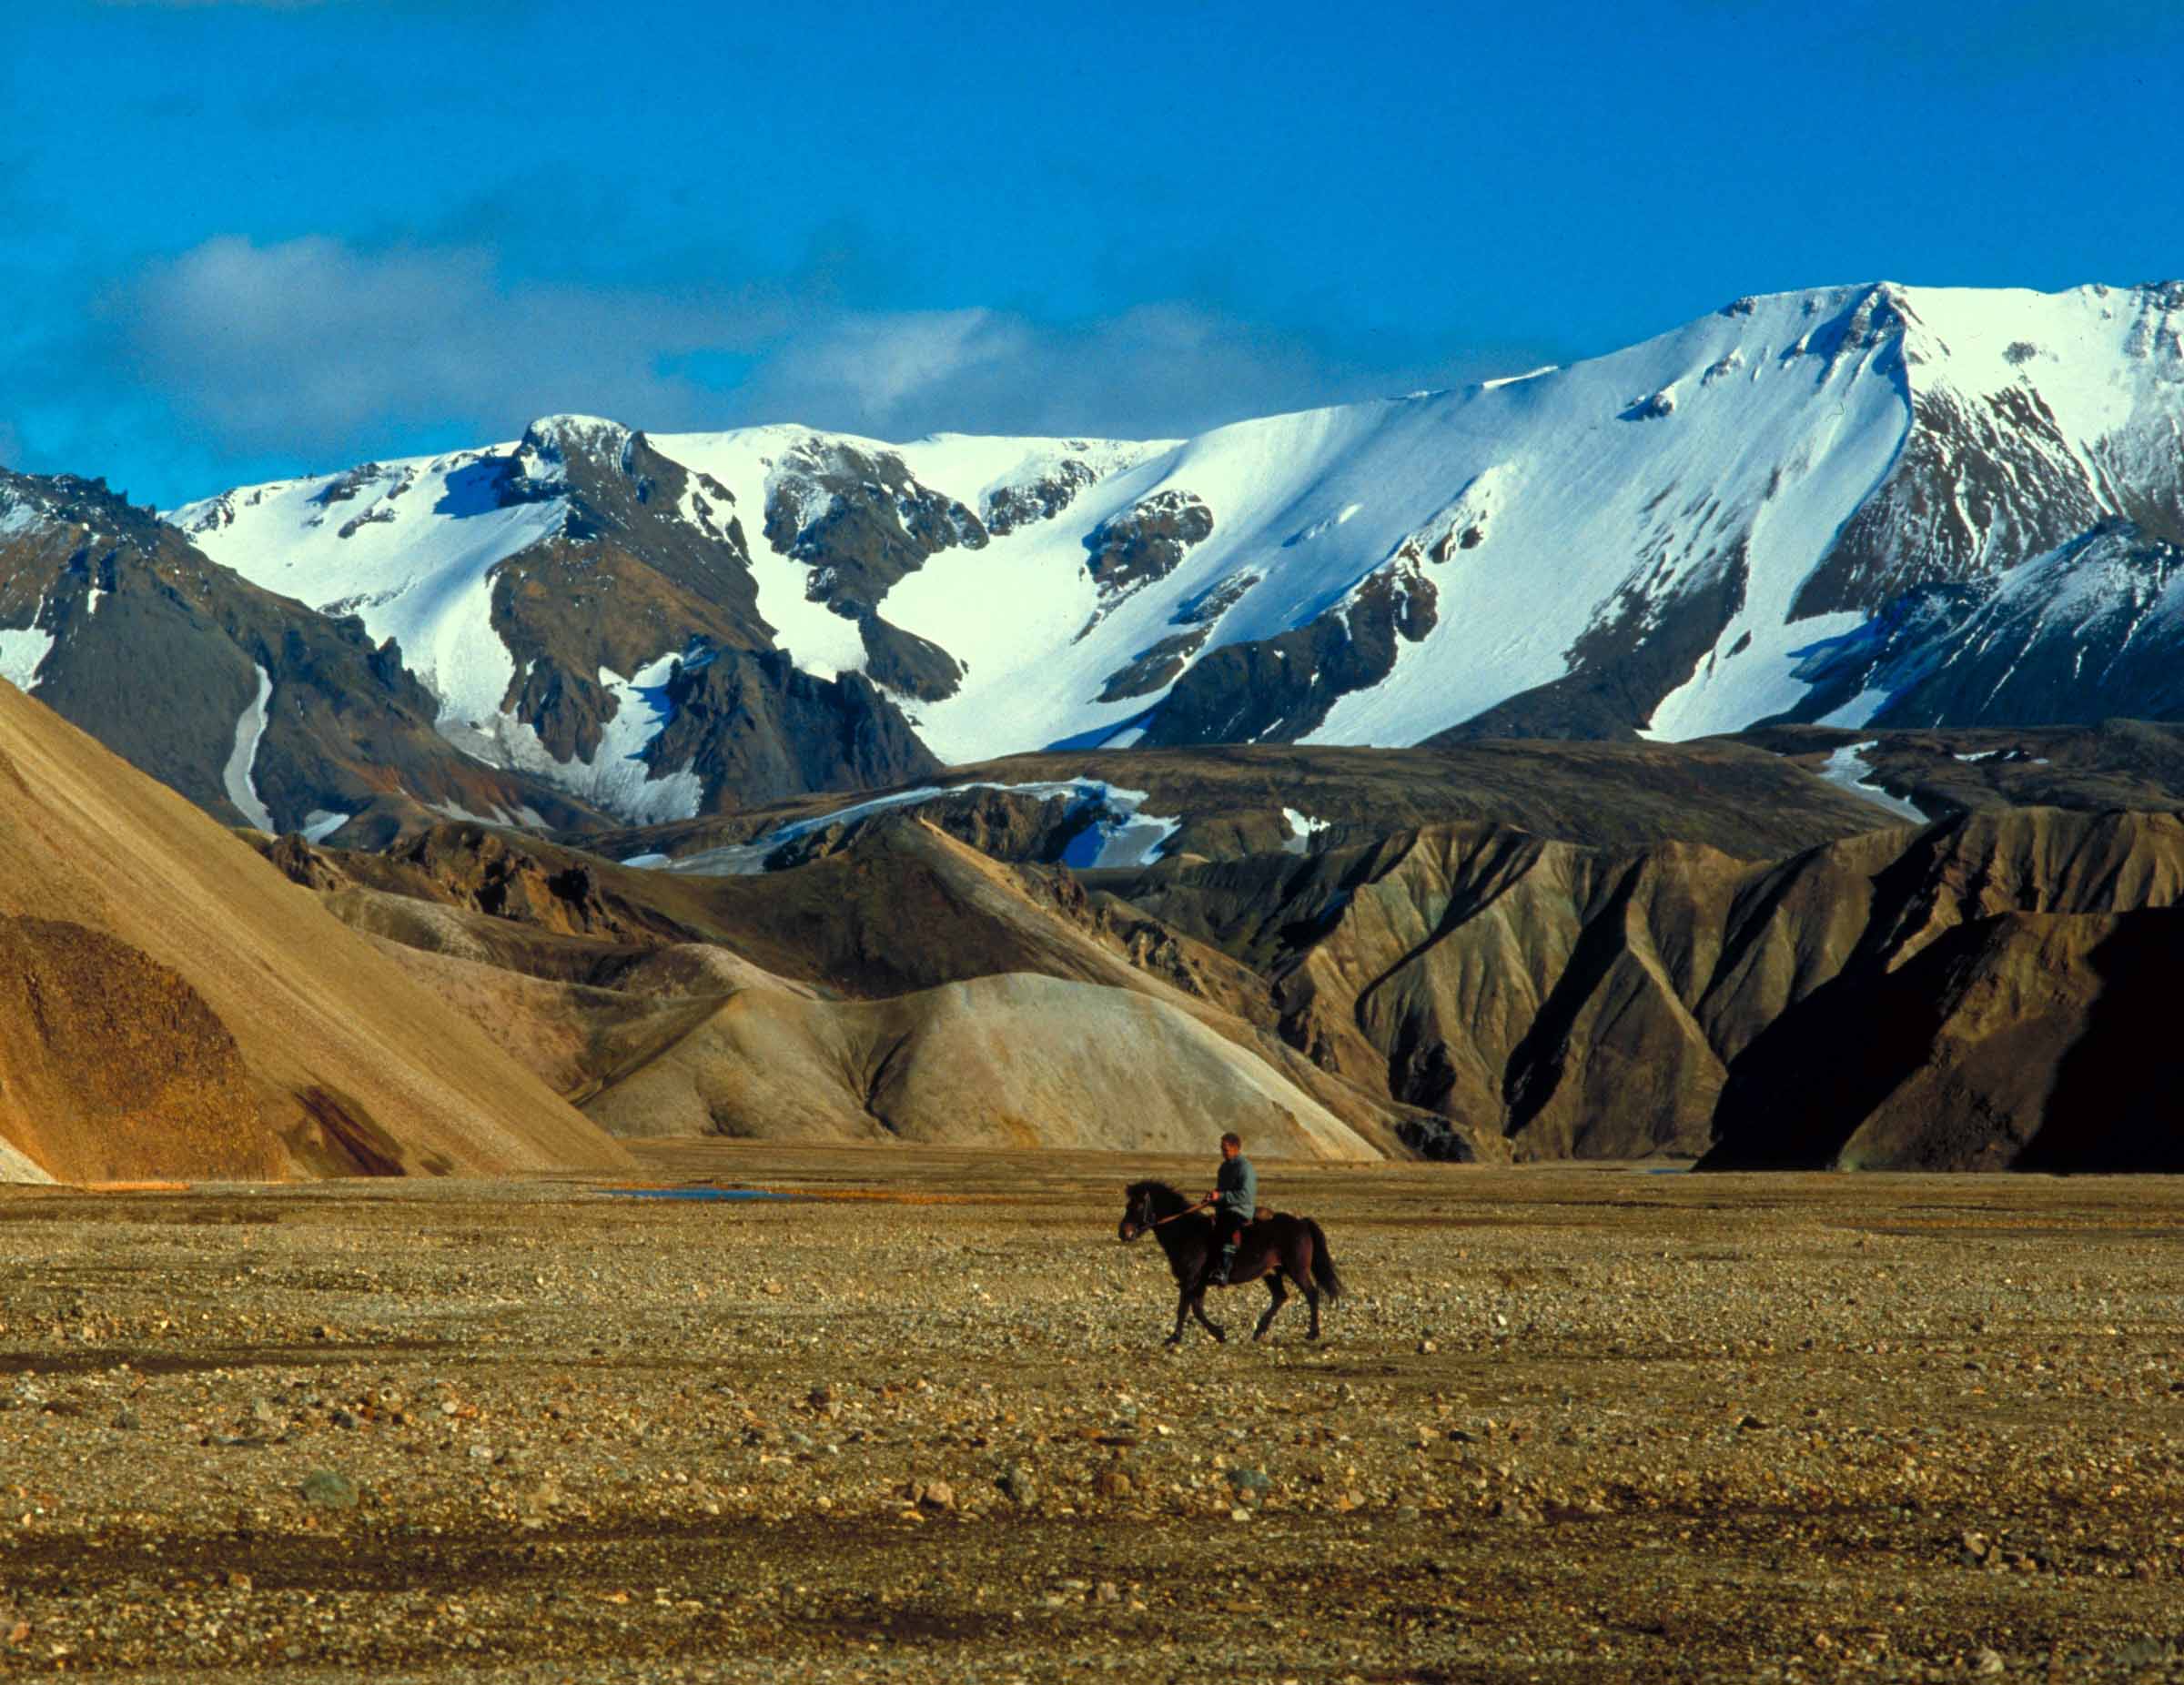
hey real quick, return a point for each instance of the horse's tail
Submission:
(1323, 1262)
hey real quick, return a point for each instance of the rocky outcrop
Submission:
(1038, 499)
(1154, 667)
(859, 521)
(1981, 484)
(906, 664)
(1281, 688)
(1594, 1001)
(650, 559)
(755, 729)
(1146, 542)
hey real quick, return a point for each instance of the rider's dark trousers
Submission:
(1227, 1227)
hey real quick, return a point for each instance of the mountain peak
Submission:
(555, 437)
(1645, 539)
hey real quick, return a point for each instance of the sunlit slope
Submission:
(174, 1008)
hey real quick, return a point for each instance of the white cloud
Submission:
(1155, 370)
(308, 343)
(313, 346)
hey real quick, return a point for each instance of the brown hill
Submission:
(1233, 800)
(897, 988)
(1945, 772)
(2029, 1041)
(1592, 1002)
(171, 1007)
(1014, 1060)
(1463, 988)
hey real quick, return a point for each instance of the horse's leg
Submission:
(1198, 1306)
(1279, 1296)
(1182, 1309)
(1311, 1299)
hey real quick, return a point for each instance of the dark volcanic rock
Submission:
(1154, 667)
(906, 663)
(1042, 498)
(1144, 543)
(629, 577)
(757, 730)
(1281, 687)
(860, 521)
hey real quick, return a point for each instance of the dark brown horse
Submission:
(1280, 1246)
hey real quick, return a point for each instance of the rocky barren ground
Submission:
(1571, 1423)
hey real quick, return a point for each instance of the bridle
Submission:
(1173, 1216)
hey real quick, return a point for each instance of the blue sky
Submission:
(241, 240)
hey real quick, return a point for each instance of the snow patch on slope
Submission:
(22, 651)
(320, 824)
(235, 777)
(410, 550)
(1302, 830)
(1847, 769)
(617, 777)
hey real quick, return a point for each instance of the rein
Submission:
(1173, 1216)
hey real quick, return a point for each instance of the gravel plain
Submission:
(1569, 1423)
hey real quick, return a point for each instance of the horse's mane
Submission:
(1160, 1191)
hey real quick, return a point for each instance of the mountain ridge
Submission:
(1654, 542)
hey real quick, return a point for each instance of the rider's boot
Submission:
(1219, 1277)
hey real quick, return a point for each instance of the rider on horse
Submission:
(1234, 1198)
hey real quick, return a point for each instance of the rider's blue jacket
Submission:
(1237, 1185)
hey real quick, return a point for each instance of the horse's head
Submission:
(1138, 1213)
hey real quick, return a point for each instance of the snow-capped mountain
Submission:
(1668, 540)
(257, 708)
(2058, 639)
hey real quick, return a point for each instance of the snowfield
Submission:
(1551, 507)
